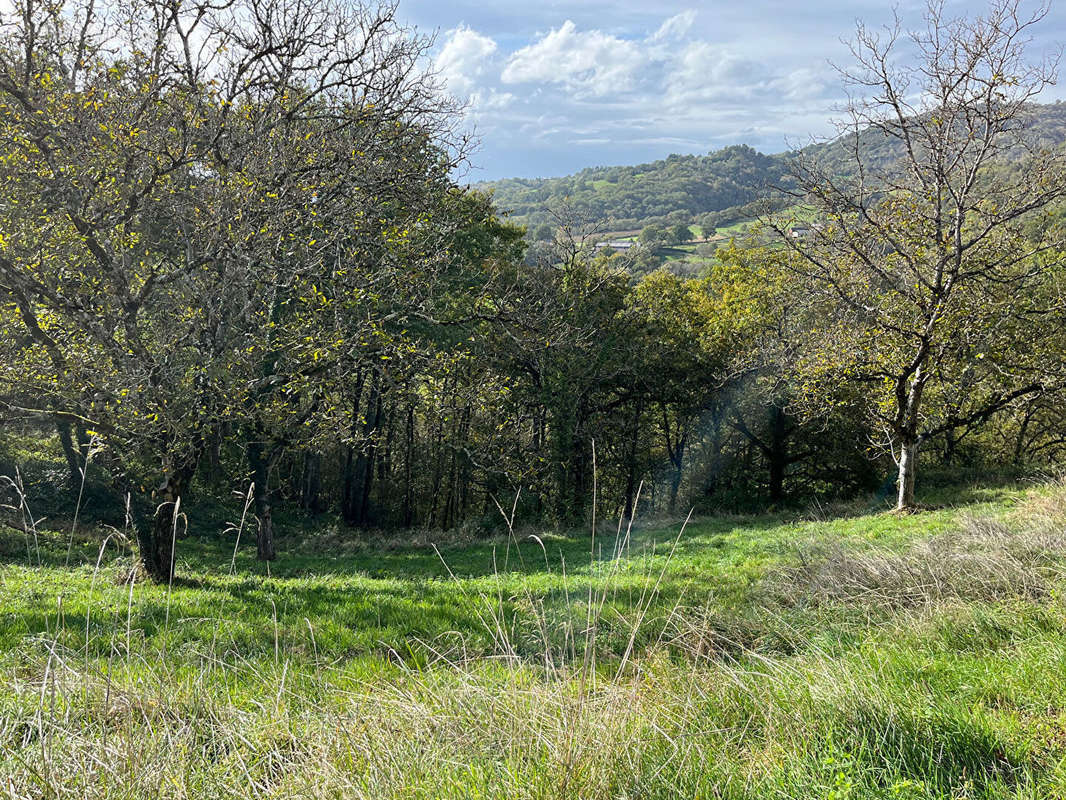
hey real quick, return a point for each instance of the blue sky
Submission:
(552, 87)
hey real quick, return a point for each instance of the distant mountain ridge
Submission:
(718, 188)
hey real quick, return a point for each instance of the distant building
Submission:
(800, 231)
(626, 245)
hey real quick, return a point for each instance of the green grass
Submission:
(795, 214)
(736, 229)
(852, 653)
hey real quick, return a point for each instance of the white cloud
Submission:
(676, 27)
(463, 59)
(802, 84)
(587, 62)
(706, 72)
(715, 76)
(491, 100)
(632, 92)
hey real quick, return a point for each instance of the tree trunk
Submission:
(264, 540)
(349, 487)
(675, 450)
(908, 470)
(388, 412)
(365, 469)
(631, 459)
(1023, 430)
(408, 466)
(675, 486)
(452, 482)
(777, 480)
(569, 453)
(438, 469)
(465, 465)
(157, 545)
(580, 481)
(359, 465)
(951, 444)
(777, 453)
(157, 540)
(260, 463)
(211, 469)
(715, 467)
(311, 481)
(75, 444)
(74, 464)
(909, 441)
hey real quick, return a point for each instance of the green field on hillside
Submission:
(841, 653)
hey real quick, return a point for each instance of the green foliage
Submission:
(678, 234)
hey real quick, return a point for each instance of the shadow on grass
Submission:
(371, 602)
(947, 749)
(524, 595)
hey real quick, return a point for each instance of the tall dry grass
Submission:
(984, 559)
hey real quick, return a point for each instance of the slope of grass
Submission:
(859, 654)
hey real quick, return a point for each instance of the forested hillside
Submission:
(627, 196)
(711, 190)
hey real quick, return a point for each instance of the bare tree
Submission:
(925, 284)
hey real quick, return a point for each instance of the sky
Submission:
(552, 87)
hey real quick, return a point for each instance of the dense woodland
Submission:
(247, 268)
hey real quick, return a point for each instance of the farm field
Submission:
(845, 653)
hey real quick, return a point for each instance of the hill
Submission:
(713, 191)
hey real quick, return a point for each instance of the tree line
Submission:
(234, 257)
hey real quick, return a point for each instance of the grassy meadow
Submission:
(841, 653)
